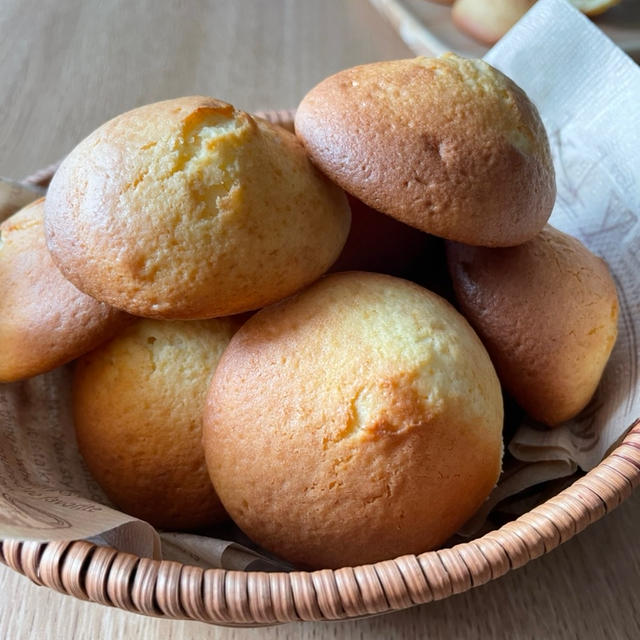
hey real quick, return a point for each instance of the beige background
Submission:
(67, 66)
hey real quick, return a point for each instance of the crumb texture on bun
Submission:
(448, 145)
(547, 311)
(44, 320)
(192, 209)
(137, 406)
(356, 421)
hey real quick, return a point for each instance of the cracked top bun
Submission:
(356, 421)
(191, 209)
(448, 145)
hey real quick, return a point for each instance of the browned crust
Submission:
(137, 407)
(44, 320)
(381, 244)
(191, 209)
(449, 146)
(547, 312)
(331, 444)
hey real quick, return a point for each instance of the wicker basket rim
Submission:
(238, 598)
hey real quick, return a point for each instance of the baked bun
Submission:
(547, 312)
(379, 243)
(358, 420)
(137, 406)
(488, 20)
(44, 320)
(191, 209)
(447, 145)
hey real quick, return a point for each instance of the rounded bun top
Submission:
(547, 312)
(366, 417)
(44, 320)
(448, 145)
(137, 407)
(189, 208)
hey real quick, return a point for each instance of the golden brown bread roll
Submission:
(488, 20)
(358, 420)
(594, 8)
(547, 312)
(44, 320)
(448, 145)
(191, 209)
(137, 405)
(381, 244)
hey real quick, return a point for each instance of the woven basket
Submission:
(238, 598)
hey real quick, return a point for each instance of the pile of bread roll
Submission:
(338, 419)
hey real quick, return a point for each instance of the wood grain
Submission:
(69, 65)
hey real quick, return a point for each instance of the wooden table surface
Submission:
(66, 67)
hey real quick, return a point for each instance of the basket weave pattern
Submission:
(176, 591)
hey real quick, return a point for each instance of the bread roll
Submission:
(488, 20)
(137, 404)
(379, 243)
(191, 209)
(44, 320)
(594, 8)
(547, 312)
(448, 145)
(356, 421)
